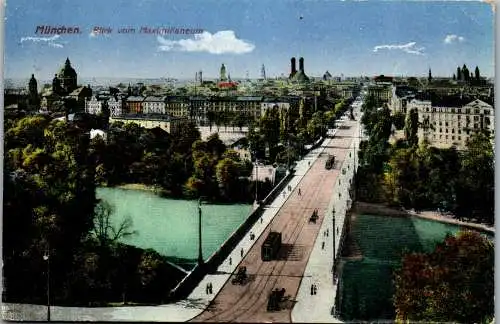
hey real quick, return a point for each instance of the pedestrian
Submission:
(312, 289)
(207, 289)
(327, 232)
(337, 231)
(210, 288)
(230, 261)
(323, 245)
(309, 163)
(241, 252)
(283, 194)
(300, 193)
(315, 289)
(261, 220)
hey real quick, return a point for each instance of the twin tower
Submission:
(300, 75)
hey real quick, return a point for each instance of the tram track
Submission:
(247, 303)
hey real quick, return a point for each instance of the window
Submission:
(446, 136)
(476, 118)
(458, 117)
(459, 131)
(467, 111)
(440, 123)
(440, 130)
(453, 138)
(476, 126)
(440, 136)
(452, 110)
(460, 138)
(459, 111)
(447, 130)
(453, 130)
(446, 123)
(477, 111)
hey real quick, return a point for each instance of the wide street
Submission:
(244, 303)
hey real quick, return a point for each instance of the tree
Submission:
(459, 74)
(105, 231)
(476, 188)
(411, 127)
(454, 283)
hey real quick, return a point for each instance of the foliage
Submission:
(454, 283)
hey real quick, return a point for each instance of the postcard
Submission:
(248, 161)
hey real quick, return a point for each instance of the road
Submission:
(247, 303)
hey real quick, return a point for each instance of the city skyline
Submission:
(349, 38)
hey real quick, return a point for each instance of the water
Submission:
(368, 284)
(170, 226)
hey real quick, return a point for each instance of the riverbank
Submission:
(139, 186)
(379, 209)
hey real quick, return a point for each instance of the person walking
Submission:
(207, 289)
(315, 289)
(312, 289)
(210, 288)
(323, 245)
(300, 193)
(230, 261)
(241, 252)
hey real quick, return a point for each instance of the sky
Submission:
(353, 38)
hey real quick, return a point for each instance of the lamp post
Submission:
(334, 231)
(200, 253)
(46, 257)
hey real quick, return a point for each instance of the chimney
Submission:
(294, 69)
(301, 64)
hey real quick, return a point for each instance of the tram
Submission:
(330, 162)
(271, 246)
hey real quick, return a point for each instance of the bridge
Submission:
(299, 264)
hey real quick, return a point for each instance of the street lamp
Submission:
(46, 257)
(200, 253)
(333, 219)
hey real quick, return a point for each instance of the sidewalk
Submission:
(320, 307)
(183, 310)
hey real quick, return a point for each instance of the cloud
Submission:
(449, 39)
(409, 48)
(221, 42)
(51, 41)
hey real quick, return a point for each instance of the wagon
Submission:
(240, 277)
(276, 296)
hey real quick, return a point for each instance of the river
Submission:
(170, 226)
(366, 284)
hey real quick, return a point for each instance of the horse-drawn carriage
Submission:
(275, 298)
(241, 277)
(314, 217)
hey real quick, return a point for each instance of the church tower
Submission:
(223, 73)
(33, 100)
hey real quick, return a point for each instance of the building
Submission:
(169, 124)
(450, 122)
(115, 106)
(80, 95)
(94, 106)
(178, 106)
(401, 96)
(134, 105)
(381, 91)
(154, 105)
(67, 77)
(300, 76)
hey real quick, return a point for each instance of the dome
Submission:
(67, 70)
